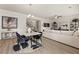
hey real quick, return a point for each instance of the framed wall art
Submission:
(9, 22)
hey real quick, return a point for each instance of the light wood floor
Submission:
(49, 47)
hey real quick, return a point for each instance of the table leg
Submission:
(31, 41)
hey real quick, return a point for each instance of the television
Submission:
(46, 24)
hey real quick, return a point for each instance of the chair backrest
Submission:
(17, 34)
(21, 38)
(38, 36)
(41, 33)
(18, 37)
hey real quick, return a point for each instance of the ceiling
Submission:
(43, 10)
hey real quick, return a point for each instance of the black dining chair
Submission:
(22, 40)
(16, 47)
(36, 38)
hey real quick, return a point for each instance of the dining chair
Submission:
(22, 40)
(17, 47)
(36, 38)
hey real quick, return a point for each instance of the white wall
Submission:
(21, 20)
(41, 23)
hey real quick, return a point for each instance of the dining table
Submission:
(31, 33)
(30, 36)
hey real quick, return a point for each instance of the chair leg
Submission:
(36, 42)
(41, 39)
